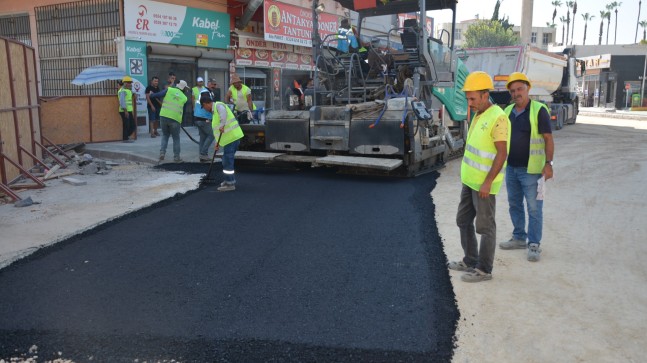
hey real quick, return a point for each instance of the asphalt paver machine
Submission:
(385, 112)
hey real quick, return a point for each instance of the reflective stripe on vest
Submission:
(128, 97)
(173, 104)
(480, 151)
(232, 131)
(245, 91)
(537, 158)
(196, 93)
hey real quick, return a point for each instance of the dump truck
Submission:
(552, 76)
(402, 119)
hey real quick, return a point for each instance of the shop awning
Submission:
(250, 73)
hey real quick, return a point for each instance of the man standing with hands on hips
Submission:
(530, 160)
(486, 150)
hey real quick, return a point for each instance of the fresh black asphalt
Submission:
(304, 266)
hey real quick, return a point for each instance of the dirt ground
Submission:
(586, 300)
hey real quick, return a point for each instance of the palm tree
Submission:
(614, 7)
(603, 15)
(608, 21)
(643, 24)
(574, 12)
(551, 25)
(638, 21)
(569, 5)
(556, 4)
(563, 20)
(586, 17)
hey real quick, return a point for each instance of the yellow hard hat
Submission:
(478, 81)
(127, 79)
(517, 76)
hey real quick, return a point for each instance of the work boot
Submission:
(226, 187)
(177, 159)
(534, 252)
(162, 156)
(513, 244)
(204, 159)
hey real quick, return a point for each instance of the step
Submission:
(360, 162)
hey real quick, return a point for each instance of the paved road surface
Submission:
(293, 266)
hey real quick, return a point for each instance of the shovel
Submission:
(206, 179)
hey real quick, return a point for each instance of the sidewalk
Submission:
(146, 149)
(613, 113)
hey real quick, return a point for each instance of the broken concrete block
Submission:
(74, 181)
(88, 169)
(24, 202)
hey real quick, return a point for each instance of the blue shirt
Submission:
(343, 44)
(520, 134)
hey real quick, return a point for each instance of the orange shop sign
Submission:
(293, 25)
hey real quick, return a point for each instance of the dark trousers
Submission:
(128, 124)
(476, 215)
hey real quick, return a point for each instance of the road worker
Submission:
(171, 117)
(241, 96)
(125, 96)
(530, 164)
(486, 151)
(228, 133)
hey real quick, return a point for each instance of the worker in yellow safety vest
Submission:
(228, 133)
(530, 164)
(241, 96)
(486, 150)
(171, 117)
(126, 111)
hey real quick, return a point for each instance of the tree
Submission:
(487, 33)
(638, 20)
(574, 12)
(614, 7)
(586, 17)
(608, 22)
(556, 4)
(603, 15)
(563, 20)
(569, 5)
(551, 25)
(643, 24)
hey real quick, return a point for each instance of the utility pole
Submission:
(526, 21)
(316, 40)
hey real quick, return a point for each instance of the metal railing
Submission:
(16, 27)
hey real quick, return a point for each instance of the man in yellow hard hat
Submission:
(530, 164)
(125, 96)
(486, 150)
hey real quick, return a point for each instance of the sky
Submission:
(543, 13)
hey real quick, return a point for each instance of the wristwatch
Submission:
(549, 162)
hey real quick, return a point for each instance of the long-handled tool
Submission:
(206, 179)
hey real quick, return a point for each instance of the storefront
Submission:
(265, 66)
(271, 57)
(611, 81)
(162, 38)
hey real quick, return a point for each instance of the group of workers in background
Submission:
(214, 119)
(515, 144)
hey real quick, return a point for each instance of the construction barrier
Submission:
(20, 127)
(76, 119)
